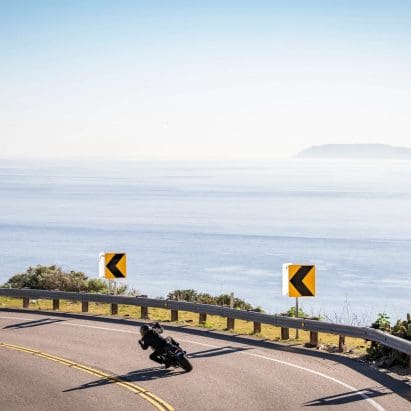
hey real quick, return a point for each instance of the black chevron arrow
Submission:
(297, 280)
(112, 265)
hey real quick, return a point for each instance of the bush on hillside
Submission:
(54, 277)
(205, 298)
(386, 356)
(292, 310)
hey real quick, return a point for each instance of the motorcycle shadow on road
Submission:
(145, 374)
(156, 373)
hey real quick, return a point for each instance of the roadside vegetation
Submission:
(205, 298)
(385, 356)
(53, 277)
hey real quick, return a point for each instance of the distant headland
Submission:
(356, 151)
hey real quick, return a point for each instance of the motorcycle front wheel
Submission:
(185, 363)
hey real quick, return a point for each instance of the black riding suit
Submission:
(154, 340)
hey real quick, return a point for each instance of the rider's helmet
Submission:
(144, 329)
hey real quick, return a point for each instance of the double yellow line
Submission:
(142, 392)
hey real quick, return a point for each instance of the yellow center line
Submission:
(142, 392)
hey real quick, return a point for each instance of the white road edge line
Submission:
(320, 374)
(359, 392)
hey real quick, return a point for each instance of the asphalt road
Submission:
(52, 361)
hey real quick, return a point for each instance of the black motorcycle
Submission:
(174, 354)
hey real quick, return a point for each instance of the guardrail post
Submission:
(230, 323)
(257, 328)
(174, 315)
(26, 302)
(313, 339)
(56, 305)
(114, 309)
(84, 306)
(285, 333)
(202, 318)
(144, 313)
(341, 343)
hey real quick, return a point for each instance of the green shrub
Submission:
(205, 298)
(301, 314)
(54, 278)
(382, 322)
(385, 355)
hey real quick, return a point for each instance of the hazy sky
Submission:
(206, 79)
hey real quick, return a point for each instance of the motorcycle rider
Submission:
(150, 338)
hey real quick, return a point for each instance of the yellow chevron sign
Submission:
(301, 280)
(115, 265)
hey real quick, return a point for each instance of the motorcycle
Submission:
(174, 354)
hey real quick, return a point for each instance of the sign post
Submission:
(298, 281)
(296, 316)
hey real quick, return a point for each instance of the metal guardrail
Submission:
(367, 333)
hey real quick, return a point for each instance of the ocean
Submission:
(220, 227)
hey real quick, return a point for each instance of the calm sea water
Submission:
(220, 227)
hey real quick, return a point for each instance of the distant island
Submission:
(356, 151)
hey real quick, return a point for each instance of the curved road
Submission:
(52, 361)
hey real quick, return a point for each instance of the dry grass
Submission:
(327, 341)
